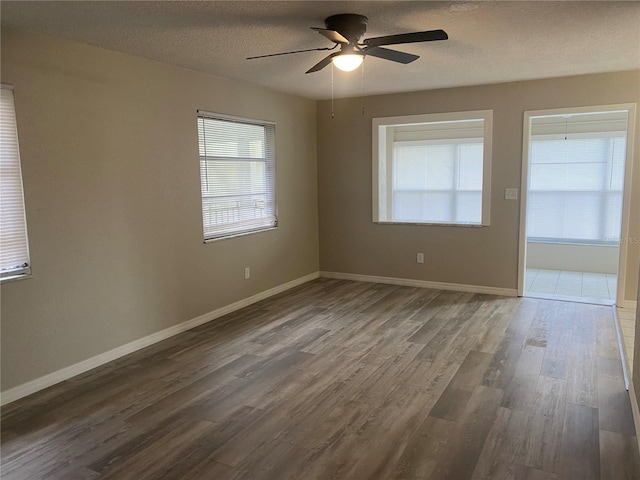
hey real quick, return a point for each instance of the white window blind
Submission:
(575, 188)
(14, 249)
(433, 171)
(237, 172)
(437, 183)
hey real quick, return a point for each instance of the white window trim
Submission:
(252, 121)
(379, 163)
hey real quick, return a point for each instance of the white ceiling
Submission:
(489, 42)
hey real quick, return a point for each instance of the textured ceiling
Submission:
(489, 42)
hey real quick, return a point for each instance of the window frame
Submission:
(382, 145)
(270, 163)
(23, 271)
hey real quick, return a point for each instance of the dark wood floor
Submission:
(347, 380)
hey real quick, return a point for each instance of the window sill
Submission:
(241, 234)
(579, 244)
(433, 224)
(15, 278)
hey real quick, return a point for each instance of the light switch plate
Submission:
(510, 193)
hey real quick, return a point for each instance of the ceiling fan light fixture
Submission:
(346, 30)
(348, 62)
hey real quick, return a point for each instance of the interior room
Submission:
(237, 247)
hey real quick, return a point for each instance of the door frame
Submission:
(626, 193)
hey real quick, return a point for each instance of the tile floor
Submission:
(565, 285)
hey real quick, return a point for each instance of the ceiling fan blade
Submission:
(428, 36)
(322, 63)
(289, 53)
(331, 35)
(393, 55)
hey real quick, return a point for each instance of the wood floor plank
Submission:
(504, 361)
(45, 455)
(544, 430)
(607, 339)
(427, 445)
(470, 435)
(584, 325)
(454, 399)
(389, 431)
(503, 447)
(556, 357)
(614, 405)
(62, 472)
(538, 334)
(442, 308)
(200, 453)
(520, 322)
(412, 308)
(527, 473)
(582, 375)
(272, 460)
(579, 454)
(520, 391)
(335, 380)
(510, 471)
(320, 426)
(161, 455)
(619, 457)
(489, 339)
(208, 470)
(191, 393)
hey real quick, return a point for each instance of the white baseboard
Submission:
(636, 411)
(456, 287)
(71, 371)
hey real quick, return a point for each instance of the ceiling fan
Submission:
(347, 29)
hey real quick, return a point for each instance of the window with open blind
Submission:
(237, 173)
(576, 179)
(14, 248)
(433, 169)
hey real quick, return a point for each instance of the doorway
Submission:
(575, 203)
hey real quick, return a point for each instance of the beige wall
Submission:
(350, 242)
(111, 176)
(576, 258)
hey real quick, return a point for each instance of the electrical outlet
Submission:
(510, 193)
(420, 257)
(247, 273)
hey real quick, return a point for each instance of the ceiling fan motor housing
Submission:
(349, 25)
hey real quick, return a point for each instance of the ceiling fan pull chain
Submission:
(332, 112)
(362, 85)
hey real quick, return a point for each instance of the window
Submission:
(14, 249)
(576, 178)
(433, 169)
(237, 175)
